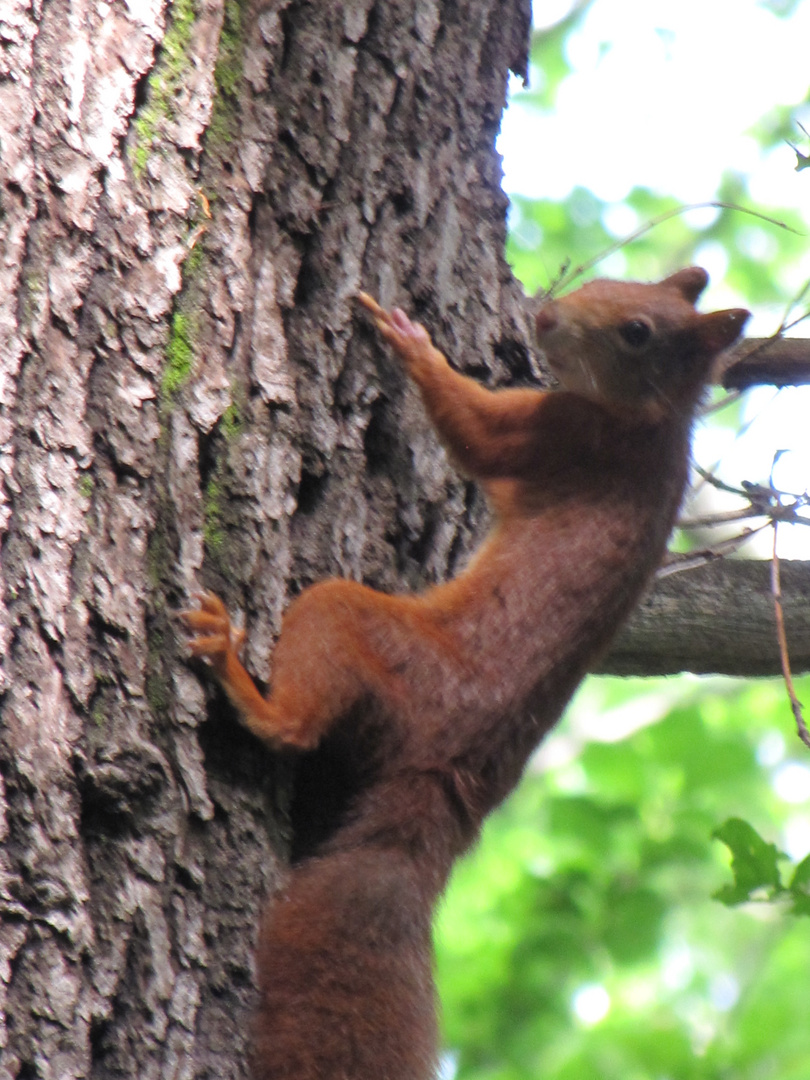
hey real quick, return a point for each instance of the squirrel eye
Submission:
(636, 333)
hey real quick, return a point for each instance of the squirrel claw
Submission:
(197, 620)
(215, 645)
(395, 327)
(211, 625)
(210, 602)
(370, 304)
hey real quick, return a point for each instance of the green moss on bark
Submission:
(179, 356)
(164, 82)
(228, 77)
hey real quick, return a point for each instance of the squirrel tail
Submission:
(345, 972)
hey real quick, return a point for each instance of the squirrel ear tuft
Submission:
(690, 282)
(719, 329)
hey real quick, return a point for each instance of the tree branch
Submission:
(718, 618)
(776, 361)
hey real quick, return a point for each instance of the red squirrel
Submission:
(430, 704)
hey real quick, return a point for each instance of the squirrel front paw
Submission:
(410, 340)
(214, 634)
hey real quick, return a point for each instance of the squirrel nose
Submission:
(545, 319)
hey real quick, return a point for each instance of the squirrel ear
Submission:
(719, 329)
(690, 282)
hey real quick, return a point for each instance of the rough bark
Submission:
(190, 400)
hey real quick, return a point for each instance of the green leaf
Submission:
(800, 888)
(753, 863)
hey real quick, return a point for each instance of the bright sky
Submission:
(669, 106)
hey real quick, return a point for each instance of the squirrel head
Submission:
(640, 350)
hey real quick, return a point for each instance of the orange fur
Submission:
(425, 708)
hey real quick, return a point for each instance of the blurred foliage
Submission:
(543, 235)
(629, 914)
(601, 872)
(546, 235)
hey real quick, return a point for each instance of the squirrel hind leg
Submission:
(325, 662)
(218, 641)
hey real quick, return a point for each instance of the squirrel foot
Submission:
(217, 640)
(215, 635)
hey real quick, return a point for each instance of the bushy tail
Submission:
(345, 971)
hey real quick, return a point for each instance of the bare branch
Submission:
(776, 361)
(716, 618)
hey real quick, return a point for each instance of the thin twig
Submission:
(727, 399)
(708, 474)
(691, 560)
(781, 636)
(715, 482)
(724, 517)
(794, 302)
(566, 277)
(761, 501)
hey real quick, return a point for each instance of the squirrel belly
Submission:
(425, 708)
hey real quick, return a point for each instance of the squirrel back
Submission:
(425, 708)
